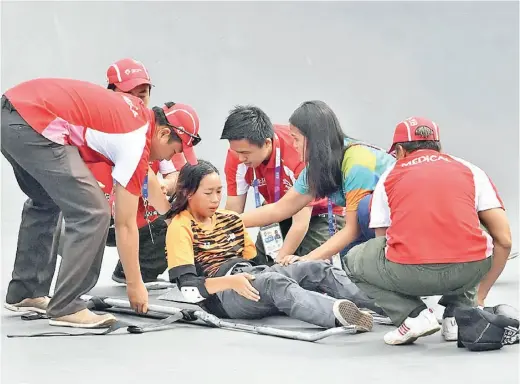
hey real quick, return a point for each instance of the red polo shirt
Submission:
(430, 202)
(101, 172)
(106, 126)
(239, 177)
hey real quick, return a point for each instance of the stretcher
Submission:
(168, 315)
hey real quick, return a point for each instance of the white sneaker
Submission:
(414, 327)
(449, 329)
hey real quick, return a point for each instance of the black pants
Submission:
(152, 255)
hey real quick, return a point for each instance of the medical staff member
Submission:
(426, 211)
(263, 156)
(51, 128)
(338, 168)
(132, 77)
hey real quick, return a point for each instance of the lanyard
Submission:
(277, 182)
(330, 218)
(145, 203)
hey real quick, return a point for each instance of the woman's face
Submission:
(299, 141)
(206, 200)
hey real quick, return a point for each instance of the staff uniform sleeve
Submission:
(235, 175)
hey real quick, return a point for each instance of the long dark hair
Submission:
(188, 182)
(324, 147)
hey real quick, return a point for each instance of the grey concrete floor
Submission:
(200, 354)
(375, 63)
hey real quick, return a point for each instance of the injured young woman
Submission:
(210, 252)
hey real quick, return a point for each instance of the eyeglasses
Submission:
(195, 139)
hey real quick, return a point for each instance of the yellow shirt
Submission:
(188, 244)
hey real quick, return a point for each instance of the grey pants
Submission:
(397, 288)
(317, 234)
(55, 179)
(295, 290)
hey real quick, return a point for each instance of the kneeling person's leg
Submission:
(365, 265)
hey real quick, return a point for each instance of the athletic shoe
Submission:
(37, 304)
(413, 327)
(449, 329)
(348, 314)
(119, 277)
(84, 319)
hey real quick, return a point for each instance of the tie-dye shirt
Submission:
(362, 166)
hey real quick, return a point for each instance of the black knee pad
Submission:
(480, 330)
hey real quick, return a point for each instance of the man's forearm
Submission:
(336, 243)
(500, 255)
(293, 239)
(127, 240)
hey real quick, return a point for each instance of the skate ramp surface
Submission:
(375, 63)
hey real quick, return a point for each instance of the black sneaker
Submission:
(119, 276)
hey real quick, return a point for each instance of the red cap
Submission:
(186, 123)
(406, 131)
(127, 74)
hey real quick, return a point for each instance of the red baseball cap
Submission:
(406, 131)
(185, 121)
(127, 74)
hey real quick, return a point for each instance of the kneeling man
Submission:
(427, 211)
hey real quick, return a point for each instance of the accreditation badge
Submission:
(272, 239)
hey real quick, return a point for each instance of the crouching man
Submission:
(51, 130)
(426, 211)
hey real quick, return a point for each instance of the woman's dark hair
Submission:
(324, 147)
(188, 182)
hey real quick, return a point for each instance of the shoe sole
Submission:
(14, 308)
(449, 336)
(100, 324)
(349, 314)
(414, 337)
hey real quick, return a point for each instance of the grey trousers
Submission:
(55, 179)
(398, 288)
(295, 290)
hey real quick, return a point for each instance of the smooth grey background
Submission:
(375, 63)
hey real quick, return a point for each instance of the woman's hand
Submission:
(240, 283)
(290, 259)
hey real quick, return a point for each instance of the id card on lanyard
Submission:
(271, 235)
